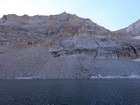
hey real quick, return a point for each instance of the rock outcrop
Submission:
(63, 46)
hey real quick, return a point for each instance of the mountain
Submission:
(132, 30)
(53, 24)
(63, 46)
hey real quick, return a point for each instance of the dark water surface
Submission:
(70, 92)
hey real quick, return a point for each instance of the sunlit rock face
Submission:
(63, 46)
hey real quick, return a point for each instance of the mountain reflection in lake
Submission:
(70, 92)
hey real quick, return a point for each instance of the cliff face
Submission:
(63, 46)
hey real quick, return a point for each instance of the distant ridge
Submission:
(132, 30)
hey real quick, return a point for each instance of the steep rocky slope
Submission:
(63, 46)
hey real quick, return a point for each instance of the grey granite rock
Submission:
(63, 46)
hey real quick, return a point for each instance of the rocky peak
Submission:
(133, 29)
(53, 24)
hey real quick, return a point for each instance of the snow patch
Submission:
(137, 60)
(23, 78)
(137, 37)
(133, 76)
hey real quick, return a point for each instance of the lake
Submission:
(70, 92)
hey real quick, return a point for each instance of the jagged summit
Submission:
(53, 23)
(133, 29)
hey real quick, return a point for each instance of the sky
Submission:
(111, 14)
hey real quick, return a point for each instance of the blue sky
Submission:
(112, 14)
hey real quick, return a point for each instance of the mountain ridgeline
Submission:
(132, 30)
(65, 46)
